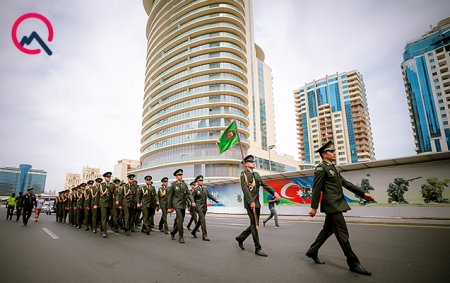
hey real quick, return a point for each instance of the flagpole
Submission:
(245, 170)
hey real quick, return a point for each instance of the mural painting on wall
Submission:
(229, 195)
(397, 189)
(294, 191)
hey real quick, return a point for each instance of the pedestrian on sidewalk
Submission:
(273, 212)
(39, 204)
(328, 182)
(10, 204)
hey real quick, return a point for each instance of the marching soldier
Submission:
(59, 207)
(72, 206)
(162, 196)
(194, 217)
(329, 182)
(105, 201)
(146, 196)
(79, 207)
(128, 197)
(200, 196)
(250, 184)
(117, 206)
(66, 206)
(87, 205)
(137, 210)
(95, 195)
(178, 197)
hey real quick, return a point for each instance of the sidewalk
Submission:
(355, 220)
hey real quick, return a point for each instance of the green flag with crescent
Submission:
(229, 138)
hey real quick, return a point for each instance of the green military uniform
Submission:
(66, 205)
(178, 197)
(72, 206)
(95, 196)
(250, 185)
(146, 198)
(80, 207)
(87, 206)
(200, 196)
(194, 216)
(116, 211)
(162, 197)
(329, 182)
(105, 202)
(128, 199)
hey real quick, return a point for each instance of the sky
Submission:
(82, 106)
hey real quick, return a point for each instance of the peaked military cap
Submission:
(199, 178)
(192, 183)
(178, 171)
(165, 179)
(74, 188)
(107, 174)
(249, 158)
(83, 185)
(29, 189)
(148, 178)
(99, 180)
(131, 176)
(116, 180)
(90, 182)
(328, 146)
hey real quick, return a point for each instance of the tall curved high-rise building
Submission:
(196, 83)
(203, 71)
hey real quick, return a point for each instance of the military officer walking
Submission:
(162, 197)
(200, 196)
(250, 184)
(146, 196)
(178, 197)
(95, 193)
(116, 211)
(105, 201)
(87, 205)
(79, 208)
(329, 182)
(194, 216)
(128, 196)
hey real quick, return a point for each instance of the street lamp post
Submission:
(270, 161)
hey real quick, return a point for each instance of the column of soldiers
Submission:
(102, 203)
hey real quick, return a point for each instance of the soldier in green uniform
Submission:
(146, 196)
(66, 205)
(329, 182)
(87, 205)
(200, 196)
(137, 210)
(194, 216)
(80, 207)
(250, 184)
(59, 207)
(162, 197)
(95, 193)
(116, 211)
(128, 196)
(178, 197)
(72, 205)
(105, 201)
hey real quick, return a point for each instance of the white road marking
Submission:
(50, 233)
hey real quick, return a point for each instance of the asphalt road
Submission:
(47, 251)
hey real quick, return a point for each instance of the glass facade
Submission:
(196, 84)
(334, 108)
(262, 105)
(425, 71)
(15, 180)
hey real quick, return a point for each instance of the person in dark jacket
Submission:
(329, 182)
(28, 204)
